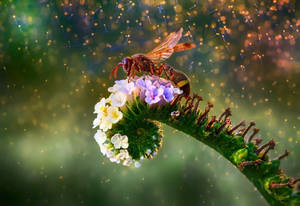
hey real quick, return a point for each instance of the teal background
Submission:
(55, 59)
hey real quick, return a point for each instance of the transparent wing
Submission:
(166, 48)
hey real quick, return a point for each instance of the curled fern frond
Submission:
(130, 132)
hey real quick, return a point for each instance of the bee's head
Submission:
(126, 64)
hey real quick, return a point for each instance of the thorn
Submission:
(188, 99)
(203, 116)
(255, 131)
(242, 123)
(190, 106)
(248, 128)
(262, 147)
(271, 145)
(258, 141)
(291, 183)
(187, 109)
(278, 185)
(285, 154)
(243, 164)
(227, 120)
(199, 99)
(176, 100)
(212, 121)
(241, 131)
(226, 113)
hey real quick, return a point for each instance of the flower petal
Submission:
(118, 99)
(100, 137)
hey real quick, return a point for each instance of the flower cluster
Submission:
(108, 113)
(151, 90)
(156, 90)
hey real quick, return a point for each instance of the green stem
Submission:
(231, 146)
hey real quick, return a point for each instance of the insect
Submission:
(149, 62)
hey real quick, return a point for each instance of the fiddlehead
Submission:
(129, 133)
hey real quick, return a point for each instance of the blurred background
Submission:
(55, 58)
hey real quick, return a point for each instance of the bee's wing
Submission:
(166, 48)
(183, 46)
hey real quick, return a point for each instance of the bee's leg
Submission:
(131, 71)
(162, 68)
(129, 68)
(171, 75)
(152, 69)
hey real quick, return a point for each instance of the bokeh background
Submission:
(55, 58)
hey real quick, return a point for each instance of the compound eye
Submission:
(125, 64)
(125, 61)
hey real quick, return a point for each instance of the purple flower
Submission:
(141, 83)
(154, 89)
(153, 95)
(168, 94)
(144, 84)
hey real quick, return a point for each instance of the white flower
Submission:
(123, 154)
(118, 99)
(114, 159)
(111, 155)
(100, 106)
(120, 141)
(114, 88)
(105, 124)
(114, 115)
(103, 149)
(101, 111)
(100, 137)
(96, 121)
(127, 162)
(122, 86)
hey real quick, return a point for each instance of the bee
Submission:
(149, 62)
